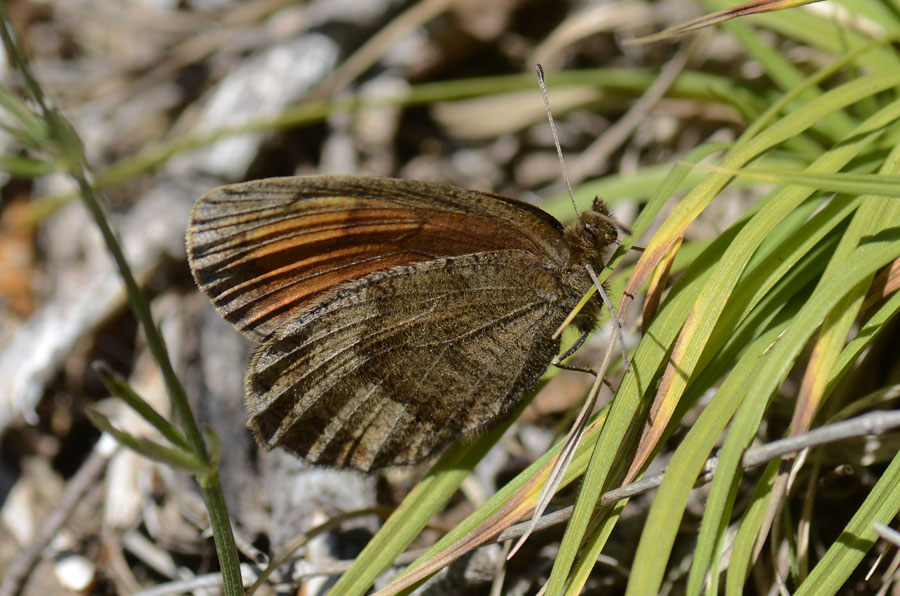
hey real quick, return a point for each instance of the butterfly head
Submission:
(598, 227)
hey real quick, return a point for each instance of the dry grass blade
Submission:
(741, 10)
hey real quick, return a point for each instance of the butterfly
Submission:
(391, 316)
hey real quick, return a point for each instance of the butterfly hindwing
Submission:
(388, 369)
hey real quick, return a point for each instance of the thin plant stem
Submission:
(63, 138)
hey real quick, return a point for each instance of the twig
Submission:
(889, 534)
(874, 423)
(185, 586)
(83, 481)
(416, 15)
(211, 580)
(601, 149)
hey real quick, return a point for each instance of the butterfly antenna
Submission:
(562, 163)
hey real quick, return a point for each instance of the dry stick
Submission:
(889, 534)
(893, 537)
(416, 15)
(871, 424)
(500, 570)
(83, 481)
(212, 580)
(874, 423)
(616, 134)
(284, 555)
(568, 450)
(598, 152)
(554, 478)
(565, 456)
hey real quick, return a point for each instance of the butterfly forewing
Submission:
(392, 316)
(267, 250)
(391, 368)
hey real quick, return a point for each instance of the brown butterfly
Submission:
(392, 316)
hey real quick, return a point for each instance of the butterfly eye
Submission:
(594, 232)
(597, 232)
